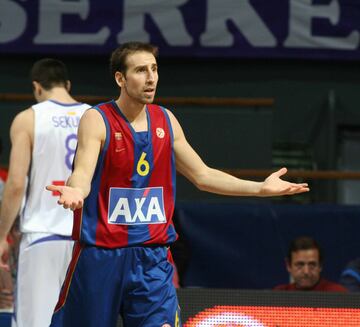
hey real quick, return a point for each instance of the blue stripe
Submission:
(352, 273)
(67, 104)
(90, 209)
(139, 233)
(51, 238)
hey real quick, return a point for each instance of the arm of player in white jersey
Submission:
(21, 135)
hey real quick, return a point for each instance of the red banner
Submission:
(268, 316)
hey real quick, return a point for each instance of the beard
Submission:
(139, 96)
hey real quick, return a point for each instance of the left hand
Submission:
(274, 185)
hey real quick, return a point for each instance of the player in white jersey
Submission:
(44, 139)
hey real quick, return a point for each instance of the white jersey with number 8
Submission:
(55, 140)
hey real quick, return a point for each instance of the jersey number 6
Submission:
(142, 166)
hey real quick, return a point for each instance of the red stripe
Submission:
(146, 192)
(176, 281)
(66, 285)
(76, 232)
(117, 172)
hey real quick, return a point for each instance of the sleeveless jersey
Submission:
(55, 140)
(132, 195)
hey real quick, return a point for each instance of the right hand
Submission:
(70, 197)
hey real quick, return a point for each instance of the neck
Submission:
(131, 109)
(59, 94)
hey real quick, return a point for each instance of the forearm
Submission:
(216, 181)
(10, 206)
(81, 182)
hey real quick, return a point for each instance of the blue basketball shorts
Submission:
(135, 282)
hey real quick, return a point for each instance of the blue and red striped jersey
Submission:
(132, 195)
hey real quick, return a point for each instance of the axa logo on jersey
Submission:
(135, 206)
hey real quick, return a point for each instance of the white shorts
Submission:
(43, 261)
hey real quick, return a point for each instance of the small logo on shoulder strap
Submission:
(160, 133)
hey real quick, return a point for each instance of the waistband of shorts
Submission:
(152, 246)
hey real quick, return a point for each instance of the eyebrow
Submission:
(144, 66)
(306, 262)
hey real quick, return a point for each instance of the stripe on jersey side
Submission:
(171, 231)
(69, 275)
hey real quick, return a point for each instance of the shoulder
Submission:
(93, 112)
(92, 124)
(326, 285)
(93, 118)
(24, 120)
(173, 120)
(22, 128)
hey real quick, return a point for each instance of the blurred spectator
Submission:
(304, 264)
(350, 277)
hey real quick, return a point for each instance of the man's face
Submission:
(305, 268)
(141, 77)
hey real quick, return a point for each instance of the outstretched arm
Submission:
(91, 136)
(189, 164)
(21, 135)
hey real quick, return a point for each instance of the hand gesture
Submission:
(274, 185)
(70, 197)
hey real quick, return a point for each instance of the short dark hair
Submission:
(119, 55)
(49, 73)
(304, 243)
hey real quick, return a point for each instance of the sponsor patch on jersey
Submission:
(136, 206)
(160, 133)
(118, 136)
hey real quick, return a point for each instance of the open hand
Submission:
(70, 197)
(274, 185)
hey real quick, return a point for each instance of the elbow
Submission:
(200, 186)
(201, 182)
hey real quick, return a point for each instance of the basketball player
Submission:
(123, 190)
(43, 141)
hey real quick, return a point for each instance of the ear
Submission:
(120, 79)
(68, 85)
(37, 89)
